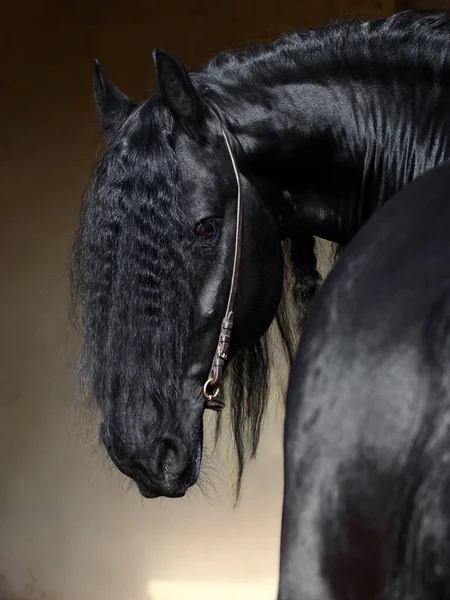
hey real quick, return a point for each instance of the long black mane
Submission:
(115, 235)
(338, 50)
(399, 64)
(129, 267)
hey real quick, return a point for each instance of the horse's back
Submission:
(368, 412)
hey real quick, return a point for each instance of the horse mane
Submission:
(348, 46)
(131, 238)
(248, 375)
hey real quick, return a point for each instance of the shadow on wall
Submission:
(7, 591)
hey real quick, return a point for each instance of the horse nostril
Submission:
(172, 456)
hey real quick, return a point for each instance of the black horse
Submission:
(324, 126)
(367, 431)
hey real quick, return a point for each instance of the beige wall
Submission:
(69, 529)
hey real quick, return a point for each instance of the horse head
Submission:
(154, 256)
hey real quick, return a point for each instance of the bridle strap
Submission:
(211, 389)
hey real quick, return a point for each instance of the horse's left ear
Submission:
(112, 105)
(178, 90)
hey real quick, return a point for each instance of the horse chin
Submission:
(178, 491)
(151, 495)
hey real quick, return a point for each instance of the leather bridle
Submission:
(211, 389)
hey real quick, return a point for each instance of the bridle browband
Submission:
(211, 389)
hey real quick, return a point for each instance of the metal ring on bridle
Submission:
(205, 389)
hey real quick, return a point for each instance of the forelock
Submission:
(132, 270)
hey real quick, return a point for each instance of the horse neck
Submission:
(337, 147)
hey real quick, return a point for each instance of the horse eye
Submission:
(206, 229)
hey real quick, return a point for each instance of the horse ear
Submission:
(177, 89)
(113, 106)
